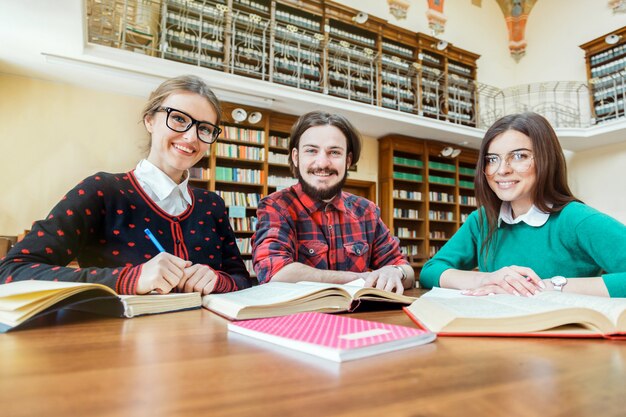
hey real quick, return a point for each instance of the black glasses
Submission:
(519, 161)
(180, 121)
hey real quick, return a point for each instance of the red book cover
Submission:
(335, 337)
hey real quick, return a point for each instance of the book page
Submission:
(270, 293)
(612, 308)
(492, 306)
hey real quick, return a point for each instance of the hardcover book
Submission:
(282, 298)
(547, 314)
(22, 301)
(334, 337)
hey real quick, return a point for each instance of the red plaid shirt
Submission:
(345, 234)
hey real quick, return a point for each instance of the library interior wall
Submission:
(554, 30)
(53, 135)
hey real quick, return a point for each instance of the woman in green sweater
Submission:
(529, 233)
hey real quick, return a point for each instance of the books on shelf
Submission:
(22, 301)
(333, 337)
(547, 314)
(282, 298)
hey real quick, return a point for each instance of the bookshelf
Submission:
(606, 71)
(424, 197)
(306, 44)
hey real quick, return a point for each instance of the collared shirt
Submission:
(170, 197)
(344, 234)
(533, 217)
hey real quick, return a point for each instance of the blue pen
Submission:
(154, 240)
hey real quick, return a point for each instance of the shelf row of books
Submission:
(198, 173)
(441, 197)
(244, 245)
(407, 176)
(407, 195)
(468, 200)
(466, 184)
(405, 213)
(440, 215)
(278, 158)
(240, 151)
(405, 232)
(234, 198)
(437, 234)
(408, 161)
(243, 224)
(279, 142)
(410, 250)
(280, 182)
(436, 179)
(243, 135)
(467, 171)
(250, 176)
(441, 166)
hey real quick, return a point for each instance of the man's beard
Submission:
(323, 194)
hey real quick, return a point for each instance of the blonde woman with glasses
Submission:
(147, 229)
(529, 233)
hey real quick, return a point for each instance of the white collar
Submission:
(533, 217)
(159, 182)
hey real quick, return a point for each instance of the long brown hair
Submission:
(551, 171)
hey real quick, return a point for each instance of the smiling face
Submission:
(173, 152)
(508, 184)
(321, 160)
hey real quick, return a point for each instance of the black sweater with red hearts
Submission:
(101, 224)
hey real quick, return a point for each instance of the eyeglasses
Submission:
(180, 121)
(519, 161)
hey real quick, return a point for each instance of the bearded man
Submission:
(314, 231)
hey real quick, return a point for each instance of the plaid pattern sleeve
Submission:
(274, 243)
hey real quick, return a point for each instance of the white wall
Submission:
(481, 30)
(554, 31)
(598, 178)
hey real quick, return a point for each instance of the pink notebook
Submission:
(334, 337)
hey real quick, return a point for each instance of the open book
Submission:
(338, 338)
(282, 298)
(549, 313)
(24, 300)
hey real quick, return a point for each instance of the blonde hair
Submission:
(190, 83)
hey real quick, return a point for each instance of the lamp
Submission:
(239, 114)
(612, 39)
(255, 117)
(360, 18)
(441, 45)
(450, 152)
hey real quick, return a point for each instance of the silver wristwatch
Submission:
(398, 267)
(558, 282)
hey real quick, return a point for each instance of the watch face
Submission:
(558, 281)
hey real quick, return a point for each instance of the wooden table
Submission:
(186, 363)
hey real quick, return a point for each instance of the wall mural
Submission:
(398, 8)
(436, 18)
(618, 6)
(516, 14)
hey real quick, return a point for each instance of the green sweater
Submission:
(578, 241)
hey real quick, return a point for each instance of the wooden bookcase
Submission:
(606, 72)
(237, 167)
(317, 46)
(424, 197)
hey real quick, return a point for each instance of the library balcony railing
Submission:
(244, 39)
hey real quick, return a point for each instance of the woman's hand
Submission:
(161, 274)
(198, 278)
(516, 280)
